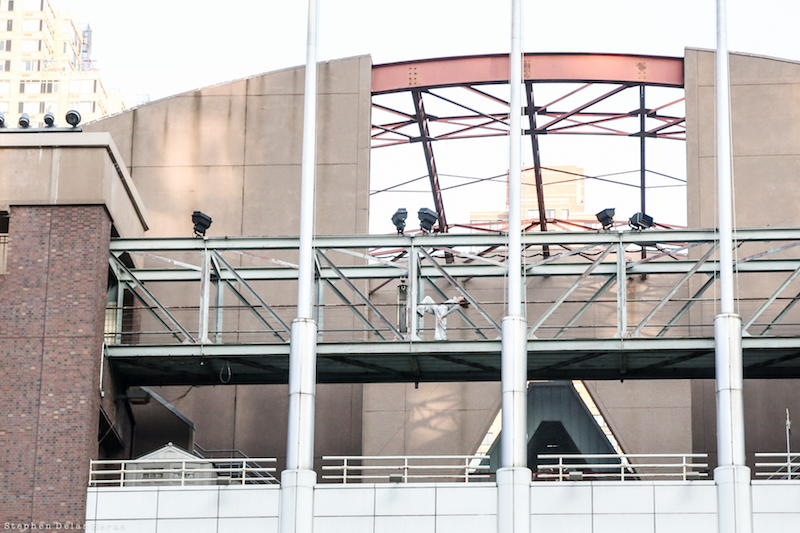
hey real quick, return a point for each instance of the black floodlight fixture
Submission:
(201, 223)
(640, 221)
(49, 119)
(606, 217)
(427, 218)
(399, 220)
(2, 120)
(73, 118)
(24, 121)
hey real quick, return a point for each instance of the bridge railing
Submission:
(181, 472)
(405, 469)
(622, 467)
(632, 284)
(784, 465)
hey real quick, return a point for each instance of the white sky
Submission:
(164, 47)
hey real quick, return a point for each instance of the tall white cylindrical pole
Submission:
(724, 193)
(732, 476)
(299, 478)
(514, 476)
(515, 164)
(305, 280)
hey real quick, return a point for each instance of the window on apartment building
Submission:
(10, 5)
(48, 87)
(32, 45)
(32, 25)
(5, 66)
(30, 87)
(5, 45)
(83, 86)
(550, 213)
(3, 107)
(30, 108)
(84, 107)
(34, 5)
(565, 214)
(33, 65)
(5, 87)
(9, 25)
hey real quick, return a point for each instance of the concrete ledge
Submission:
(66, 168)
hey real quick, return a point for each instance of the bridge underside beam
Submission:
(449, 361)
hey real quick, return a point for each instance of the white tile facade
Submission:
(568, 507)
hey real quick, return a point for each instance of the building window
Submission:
(34, 5)
(31, 108)
(5, 45)
(83, 86)
(565, 214)
(32, 45)
(32, 25)
(30, 87)
(3, 107)
(49, 87)
(10, 5)
(84, 107)
(9, 25)
(5, 66)
(5, 87)
(550, 213)
(33, 65)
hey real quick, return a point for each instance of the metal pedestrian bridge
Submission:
(600, 305)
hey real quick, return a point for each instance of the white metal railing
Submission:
(786, 467)
(181, 472)
(402, 469)
(622, 467)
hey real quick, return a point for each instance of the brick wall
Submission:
(52, 302)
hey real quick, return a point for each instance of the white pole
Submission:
(514, 476)
(732, 476)
(299, 478)
(305, 280)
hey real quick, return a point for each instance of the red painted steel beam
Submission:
(543, 67)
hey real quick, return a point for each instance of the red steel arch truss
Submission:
(566, 93)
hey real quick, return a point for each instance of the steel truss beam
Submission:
(583, 268)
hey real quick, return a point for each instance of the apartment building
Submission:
(46, 66)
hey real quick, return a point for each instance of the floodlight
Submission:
(49, 119)
(427, 218)
(24, 121)
(2, 120)
(399, 220)
(201, 223)
(606, 217)
(640, 221)
(73, 118)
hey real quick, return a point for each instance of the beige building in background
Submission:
(46, 66)
(564, 195)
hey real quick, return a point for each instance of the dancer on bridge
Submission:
(440, 311)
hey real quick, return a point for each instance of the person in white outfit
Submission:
(440, 311)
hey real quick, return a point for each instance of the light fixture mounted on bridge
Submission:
(49, 119)
(427, 218)
(606, 217)
(399, 220)
(640, 221)
(201, 223)
(73, 118)
(24, 121)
